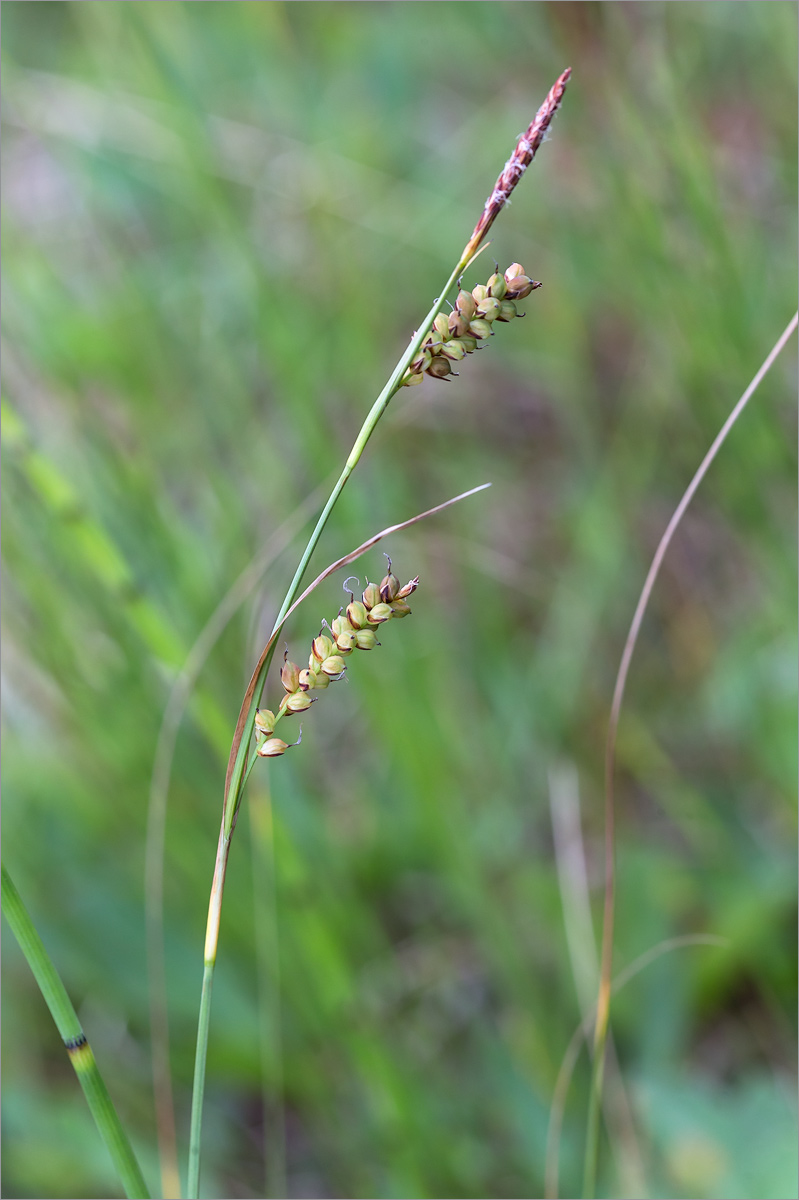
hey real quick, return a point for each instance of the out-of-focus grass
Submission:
(221, 224)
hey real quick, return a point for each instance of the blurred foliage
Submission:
(221, 223)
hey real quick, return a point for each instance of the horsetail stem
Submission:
(75, 1042)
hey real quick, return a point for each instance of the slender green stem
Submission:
(199, 1081)
(77, 1047)
(242, 766)
(583, 1031)
(269, 1007)
(592, 1130)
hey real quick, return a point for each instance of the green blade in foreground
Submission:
(78, 1048)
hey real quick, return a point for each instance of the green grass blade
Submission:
(198, 1090)
(77, 1046)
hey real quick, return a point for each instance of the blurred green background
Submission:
(222, 221)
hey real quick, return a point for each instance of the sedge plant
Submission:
(440, 341)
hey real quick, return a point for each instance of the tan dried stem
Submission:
(518, 163)
(605, 984)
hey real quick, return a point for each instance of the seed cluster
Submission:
(453, 337)
(353, 629)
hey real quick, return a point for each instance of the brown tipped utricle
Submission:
(465, 305)
(441, 326)
(272, 748)
(454, 350)
(371, 596)
(488, 308)
(439, 368)
(409, 588)
(380, 613)
(497, 286)
(480, 328)
(264, 721)
(345, 641)
(356, 614)
(457, 323)
(321, 647)
(519, 287)
(410, 379)
(290, 675)
(507, 311)
(389, 586)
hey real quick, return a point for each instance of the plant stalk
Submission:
(605, 984)
(77, 1046)
(242, 766)
(239, 769)
(193, 1188)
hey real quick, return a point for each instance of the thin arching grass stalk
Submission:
(223, 846)
(238, 765)
(174, 711)
(74, 1039)
(572, 874)
(261, 815)
(582, 1035)
(606, 966)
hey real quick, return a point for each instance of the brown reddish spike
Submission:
(518, 163)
